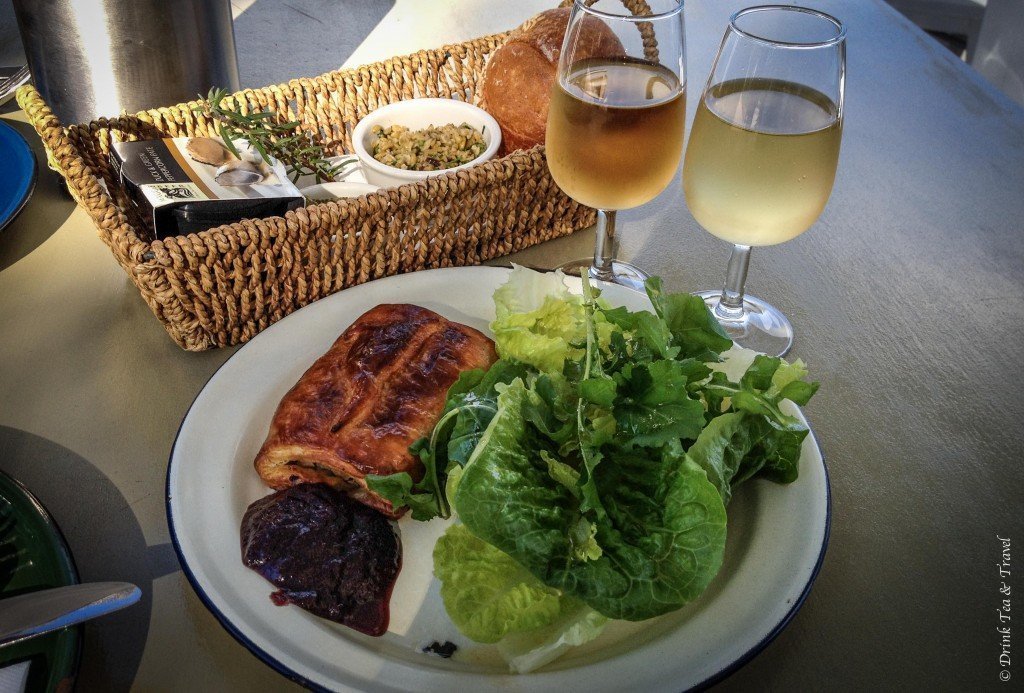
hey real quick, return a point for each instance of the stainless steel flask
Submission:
(92, 58)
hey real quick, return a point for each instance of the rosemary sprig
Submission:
(298, 151)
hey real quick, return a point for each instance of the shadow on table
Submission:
(278, 41)
(106, 541)
(47, 209)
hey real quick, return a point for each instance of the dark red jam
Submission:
(326, 553)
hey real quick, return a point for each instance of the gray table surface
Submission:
(907, 298)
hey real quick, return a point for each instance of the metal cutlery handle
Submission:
(9, 84)
(29, 615)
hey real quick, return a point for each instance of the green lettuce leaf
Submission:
(538, 321)
(721, 448)
(662, 537)
(754, 436)
(527, 290)
(786, 374)
(473, 409)
(778, 452)
(470, 404)
(654, 406)
(487, 594)
(650, 334)
(400, 491)
(577, 623)
(756, 392)
(695, 331)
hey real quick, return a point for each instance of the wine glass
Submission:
(763, 150)
(617, 116)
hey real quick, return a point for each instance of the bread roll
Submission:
(516, 85)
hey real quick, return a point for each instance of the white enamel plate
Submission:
(776, 537)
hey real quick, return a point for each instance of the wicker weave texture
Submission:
(223, 286)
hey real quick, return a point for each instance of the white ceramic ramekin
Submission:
(417, 114)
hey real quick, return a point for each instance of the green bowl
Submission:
(34, 556)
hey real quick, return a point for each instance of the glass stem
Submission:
(730, 306)
(604, 246)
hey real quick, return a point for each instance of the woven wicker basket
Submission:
(222, 286)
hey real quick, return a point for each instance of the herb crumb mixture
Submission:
(432, 149)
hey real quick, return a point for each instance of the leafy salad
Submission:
(591, 465)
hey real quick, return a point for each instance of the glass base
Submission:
(622, 273)
(758, 326)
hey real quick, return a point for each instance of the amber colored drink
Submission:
(615, 132)
(761, 160)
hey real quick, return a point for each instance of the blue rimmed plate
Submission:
(777, 537)
(17, 173)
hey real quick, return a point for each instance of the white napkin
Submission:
(14, 678)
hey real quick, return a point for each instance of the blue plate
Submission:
(17, 173)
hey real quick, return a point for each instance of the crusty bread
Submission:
(517, 82)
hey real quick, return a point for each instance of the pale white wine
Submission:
(615, 132)
(761, 160)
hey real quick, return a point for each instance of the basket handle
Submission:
(638, 8)
(82, 183)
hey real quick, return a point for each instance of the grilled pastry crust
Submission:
(380, 387)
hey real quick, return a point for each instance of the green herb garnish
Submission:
(297, 150)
